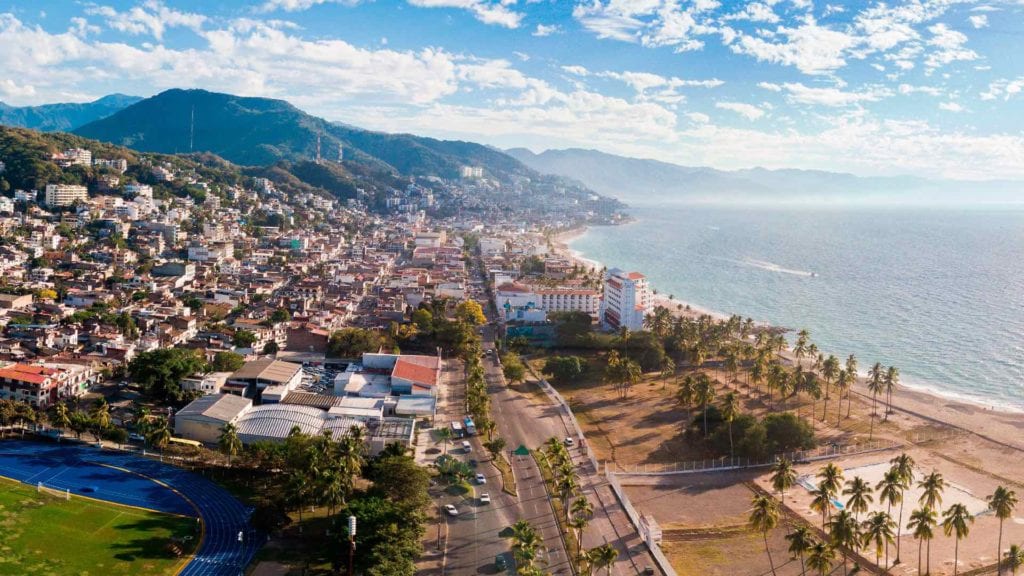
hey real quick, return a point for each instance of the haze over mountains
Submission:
(63, 117)
(634, 180)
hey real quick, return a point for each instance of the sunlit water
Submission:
(937, 292)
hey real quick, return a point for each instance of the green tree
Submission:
(564, 369)
(844, 531)
(1014, 558)
(229, 442)
(800, 542)
(764, 516)
(604, 557)
(860, 497)
(783, 477)
(513, 369)
(227, 362)
(904, 467)
(932, 486)
(160, 371)
(470, 312)
(1001, 503)
(923, 522)
(353, 342)
(821, 557)
(730, 409)
(878, 532)
(956, 520)
(243, 338)
(271, 347)
(280, 315)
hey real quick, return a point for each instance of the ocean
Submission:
(938, 293)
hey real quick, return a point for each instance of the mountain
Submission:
(63, 117)
(635, 180)
(262, 131)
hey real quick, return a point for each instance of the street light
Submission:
(351, 544)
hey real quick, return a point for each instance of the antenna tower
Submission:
(317, 148)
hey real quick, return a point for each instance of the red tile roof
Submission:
(420, 370)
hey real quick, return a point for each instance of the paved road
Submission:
(474, 535)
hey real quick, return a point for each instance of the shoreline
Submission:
(992, 420)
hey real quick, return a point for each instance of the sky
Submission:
(925, 87)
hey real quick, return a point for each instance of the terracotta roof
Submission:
(635, 276)
(420, 370)
(17, 374)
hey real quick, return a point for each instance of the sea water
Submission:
(937, 292)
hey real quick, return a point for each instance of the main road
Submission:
(476, 534)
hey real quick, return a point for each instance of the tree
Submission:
(957, 520)
(159, 433)
(227, 362)
(353, 342)
(423, 320)
(783, 477)
(890, 491)
(843, 384)
(605, 556)
(622, 372)
(876, 387)
(860, 497)
(160, 372)
(704, 393)
(280, 315)
(243, 339)
(61, 417)
(891, 380)
(800, 542)
(821, 557)
(786, 432)
(1001, 503)
(444, 434)
(229, 442)
(564, 369)
(821, 502)
(923, 522)
(470, 312)
(932, 486)
(1014, 558)
(513, 368)
(844, 531)
(495, 446)
(851, 372)
(730, 409)
(877, 531)
(271, 347)
(904, 467)
(764, 516)
(101, 414)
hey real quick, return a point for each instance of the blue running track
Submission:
(91, 472)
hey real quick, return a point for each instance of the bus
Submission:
(470, 427)
(457, 430)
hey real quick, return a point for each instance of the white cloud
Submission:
(698, 117)
(651, 23)
(771, 86)
(929, 90)
(748, 111)
(576, 70)
(545, 30)
(496, 13)
(811, 48)
(949, 46)
(951, 107)
(151, 17)
(798, 93)
(979, 20)
(755, 12)
(1003, 88)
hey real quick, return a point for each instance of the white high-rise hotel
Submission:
(627, 300)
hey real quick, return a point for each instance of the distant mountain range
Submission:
(262, 131)
(63, 117)
(635, 180)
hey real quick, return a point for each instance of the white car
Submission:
(569, 442)
(485, 498)
(480, 479)
(451, 510)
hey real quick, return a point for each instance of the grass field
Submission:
(47, 535)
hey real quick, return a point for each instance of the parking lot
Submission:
(317, 379)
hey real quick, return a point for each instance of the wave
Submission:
(772, 267)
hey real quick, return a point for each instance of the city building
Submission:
(65, 194)
(627, 300)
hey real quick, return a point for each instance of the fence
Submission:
(727, 463)
(635, 519)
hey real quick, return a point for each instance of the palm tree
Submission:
(890, 491)
(800, 346)
(704, 394)
(904, 466)
(932, 486)
(845, 533)
(957, 520)
(229, 443)
(783, 477)
(444, 435)
(878, 531)
(757, 374)
(831, 478)
(923, 522)
(1014, 558)
(851, 372)
(582, 511)
(764, 516)
(821, 557)
(1002, 502)
(61, 416)
(821, 501)
(829, 371)
(605, 556)
(843, 383)
(101, 414)
(860, 497)
(876, 387)
(525, 542)
(892, 380)
(800, 542)
(686, 396)
(159, 433)
(730, 409)
(777, 377)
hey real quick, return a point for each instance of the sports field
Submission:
(48, 535)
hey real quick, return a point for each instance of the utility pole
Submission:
(351, 545)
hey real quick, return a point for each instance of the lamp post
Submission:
(351, 544)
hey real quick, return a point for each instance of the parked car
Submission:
(451, 510)
(485, 498)
(500, 563)
(466, 446)
(480, 479)
(569, 442)
(136, 437)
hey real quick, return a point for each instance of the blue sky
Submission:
(928, 87)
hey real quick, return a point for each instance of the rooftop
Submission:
(267, 370)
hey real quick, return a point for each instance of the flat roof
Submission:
(267, 369)
(223, 407)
